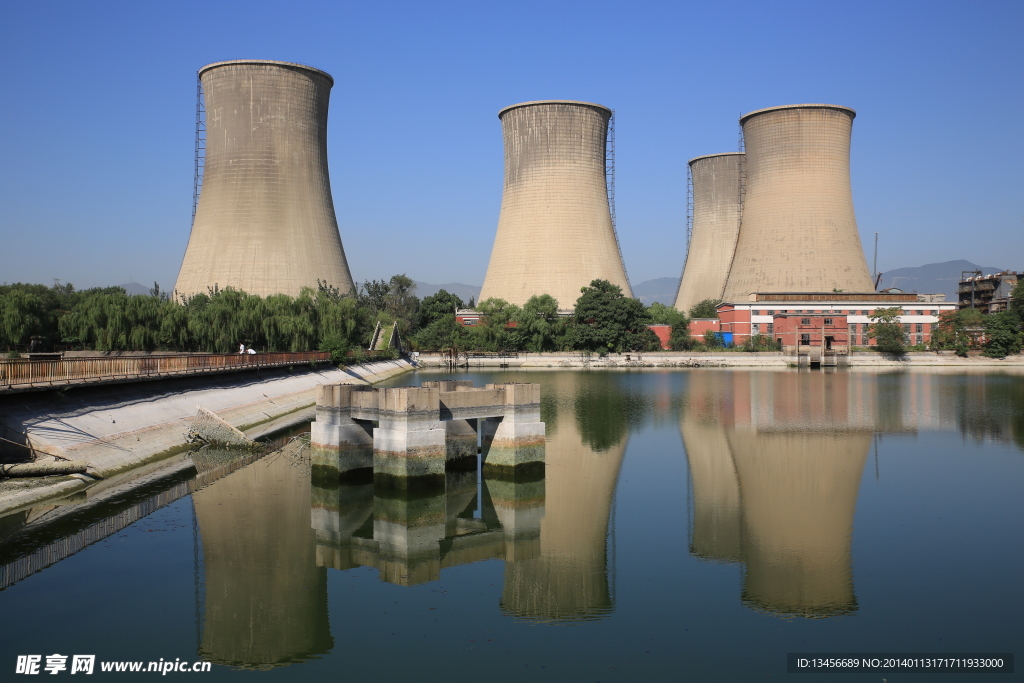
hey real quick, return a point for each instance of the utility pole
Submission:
(874, 266)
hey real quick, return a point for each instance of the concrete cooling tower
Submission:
(265, 222)
(716, 225)
(798, 231)
(555, 232)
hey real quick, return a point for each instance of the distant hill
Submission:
(134, 288)
(932, 278)
(662, 289)
(464, 292)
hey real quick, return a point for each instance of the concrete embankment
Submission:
(119, 429)
(672, 359)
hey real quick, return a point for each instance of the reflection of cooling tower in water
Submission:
(716, 493)
(799, 492)
(266, 599)
(569, 580)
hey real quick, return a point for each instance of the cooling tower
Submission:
(555, 232)
(265, 222)
(798, 231)
(716, 224)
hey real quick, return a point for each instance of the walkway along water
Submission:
(118, 428)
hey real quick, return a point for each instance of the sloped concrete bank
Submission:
(119, 429)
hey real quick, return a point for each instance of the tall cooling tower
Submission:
(798, 231)
(555, 231)
(716, 224)
(265, 222)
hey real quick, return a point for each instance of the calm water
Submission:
(690, 525)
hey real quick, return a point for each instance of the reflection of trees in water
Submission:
(990, 407)
(606, 409)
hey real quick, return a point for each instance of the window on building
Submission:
(771, 312)
(805, 340)
(920, 328)
(771, 329)
(853, 334)
(828, 321)
(805, 321)
(906, 328)
(469, 321)
(755, 328)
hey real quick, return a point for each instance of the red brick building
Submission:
(766, 310)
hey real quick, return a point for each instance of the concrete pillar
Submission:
(515, 441)
(410, 441)
(339, 445)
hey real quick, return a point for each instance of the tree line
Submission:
(602, 320)
(37, 317)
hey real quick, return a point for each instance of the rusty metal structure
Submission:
(555, 232)
(264, 218)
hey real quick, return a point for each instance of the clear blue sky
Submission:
(99, 101)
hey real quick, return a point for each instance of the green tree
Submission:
(708, 308)
(494, 332)
(439, 306)
(1002, 334)
(1017, 300)
(605, 320)
(539, 324)
(887, 331)
(679, 339)
(958, 330)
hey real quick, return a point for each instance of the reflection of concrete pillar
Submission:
(338, 512)
(716, 493)
(409, 529)
(569, 579)
(337, 441)
(410, 440)
(266, 599)
(519, 508)
(799, 493)
(517, 439)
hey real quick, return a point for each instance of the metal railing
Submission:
(18, 373)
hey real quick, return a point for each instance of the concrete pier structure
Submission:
(424, 431)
